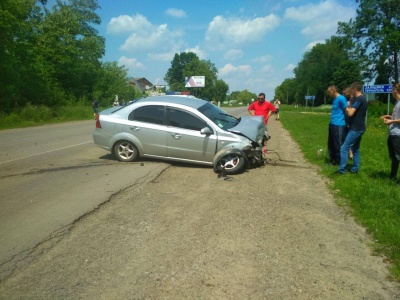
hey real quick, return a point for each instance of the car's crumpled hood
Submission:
(251, 127)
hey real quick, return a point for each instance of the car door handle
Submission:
(134, 128)
(176, 135)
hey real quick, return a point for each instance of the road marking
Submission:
(54, 150)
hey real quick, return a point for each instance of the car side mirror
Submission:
(206, 131)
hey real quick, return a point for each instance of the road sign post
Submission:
(310, 98)
(379, 89)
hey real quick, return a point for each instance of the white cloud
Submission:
(163, 56)
(176, 13)
(290, 67)
(233, 54)
(239, 70)
(123, 24)
(263, 59)
(223, 32)
(132, 64)
(144, 36)
(200, 53)
(267, 68)
(159, 38)
(320, 20)
(312, 44)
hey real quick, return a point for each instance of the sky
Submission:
(254, 44)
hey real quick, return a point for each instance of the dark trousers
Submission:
(336, 135)
(393, 143)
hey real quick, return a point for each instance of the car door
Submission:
(185, 141)
(147, 125)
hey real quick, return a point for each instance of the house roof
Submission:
(141, 83)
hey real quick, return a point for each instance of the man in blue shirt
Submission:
(356, 118)
(337, 124)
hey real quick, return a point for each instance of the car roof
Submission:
(175, 99)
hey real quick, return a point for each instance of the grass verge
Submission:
(32, 115)
(373, 199)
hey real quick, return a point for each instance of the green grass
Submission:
(32, 115)
(371, 197)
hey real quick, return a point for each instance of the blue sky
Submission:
(255, 44)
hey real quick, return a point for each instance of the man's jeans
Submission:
(352, 142)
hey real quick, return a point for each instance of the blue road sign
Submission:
(378, 89)
(309, 97)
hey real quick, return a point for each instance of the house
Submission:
(142, 84)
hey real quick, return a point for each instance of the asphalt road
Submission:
(50, 176)
(273, 232)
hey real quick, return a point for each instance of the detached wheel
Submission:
(233, 164)
(125, 151)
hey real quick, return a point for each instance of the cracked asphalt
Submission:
(274, 232)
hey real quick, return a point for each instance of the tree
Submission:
(112, 80)
(209, 71)
(287, 90)
(245, 96)
(69, 48)
(326, 64)
(48, 57)
(376, 29)
(234, 95)
(15, 50)
(187, 64)
(174, 76)
(221, 88)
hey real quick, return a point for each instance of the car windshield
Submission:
(218, 116)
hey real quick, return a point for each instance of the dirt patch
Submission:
(271, 233)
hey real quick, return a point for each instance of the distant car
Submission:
(183, 129)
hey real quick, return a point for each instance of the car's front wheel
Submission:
(125, 151)
(233, 163)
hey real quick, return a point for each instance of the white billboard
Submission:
(195, 81)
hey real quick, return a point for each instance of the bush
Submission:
(36, 113)
(377, 108)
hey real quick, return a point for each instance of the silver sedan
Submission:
(183, 129)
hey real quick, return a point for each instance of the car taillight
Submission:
(98, 125)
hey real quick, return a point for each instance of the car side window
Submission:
(149, 114)
(183, 119)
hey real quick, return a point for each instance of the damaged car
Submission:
(181, 129)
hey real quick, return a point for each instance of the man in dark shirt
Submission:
(356, 113)
(95, 106)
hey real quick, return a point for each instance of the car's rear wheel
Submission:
(125, 151)
(233, 163)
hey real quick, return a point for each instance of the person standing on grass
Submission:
(277, 103)
(264, 108)
(393, 141)
(356, 113)
(337, 124)
(347, 93)
(95, 106)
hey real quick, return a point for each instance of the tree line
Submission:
(364, 49)
(52, 57)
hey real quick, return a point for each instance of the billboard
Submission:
(195, 81)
